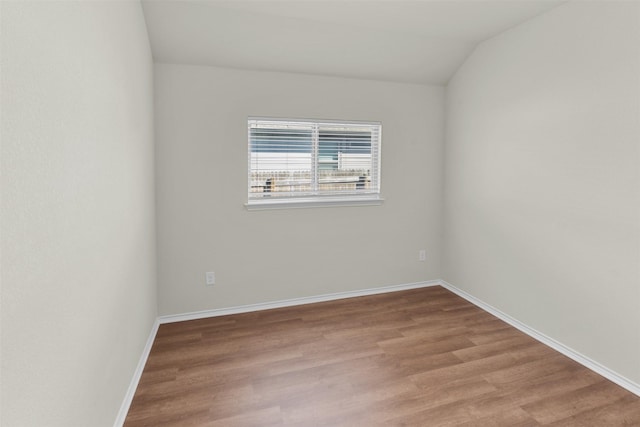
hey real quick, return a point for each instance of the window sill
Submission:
(312, 202)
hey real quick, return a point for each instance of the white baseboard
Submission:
(567, 351)
(133, 385)
(292, 302)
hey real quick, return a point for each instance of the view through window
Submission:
(313, 160)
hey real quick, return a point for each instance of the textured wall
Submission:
(78, 245)
(542, 185)
(259, 256)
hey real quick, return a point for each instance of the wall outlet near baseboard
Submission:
(422, 255)
(210, 278)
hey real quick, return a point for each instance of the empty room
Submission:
(319, 213)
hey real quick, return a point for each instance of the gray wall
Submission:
(78, 257)
(201, 129)
(542, 188)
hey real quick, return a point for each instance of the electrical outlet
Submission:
(422, 255)
(211, 278)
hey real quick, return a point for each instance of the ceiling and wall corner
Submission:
(403, 41)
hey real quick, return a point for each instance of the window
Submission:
(296, 163)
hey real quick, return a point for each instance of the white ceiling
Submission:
(396, 40)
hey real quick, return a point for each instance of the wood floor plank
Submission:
(512, 418)
(572, 404)
(423, 357)
(481, 351)
(623, 412)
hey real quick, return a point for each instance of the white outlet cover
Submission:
(210, 278)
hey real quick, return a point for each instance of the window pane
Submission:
(281, 159)
(289, 158)
(344, 159)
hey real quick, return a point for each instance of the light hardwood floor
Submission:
(423, 357)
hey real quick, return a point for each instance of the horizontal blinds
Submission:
(305, 158)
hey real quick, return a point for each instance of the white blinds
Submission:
(296, 158)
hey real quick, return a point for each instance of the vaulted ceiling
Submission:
(395, 40)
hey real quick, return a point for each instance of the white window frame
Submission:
(318, 199)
